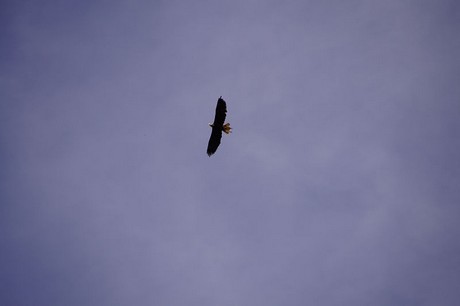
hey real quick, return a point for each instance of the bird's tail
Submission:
(227, 129)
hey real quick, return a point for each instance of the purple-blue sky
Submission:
(340, 184)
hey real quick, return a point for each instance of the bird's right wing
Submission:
(221, 111)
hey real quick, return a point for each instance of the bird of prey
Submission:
(218, 126)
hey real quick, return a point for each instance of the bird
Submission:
(218, 126)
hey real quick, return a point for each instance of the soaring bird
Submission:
(218, 126)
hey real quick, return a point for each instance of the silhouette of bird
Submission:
(218, 126)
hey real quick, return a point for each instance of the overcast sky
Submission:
(340, 184)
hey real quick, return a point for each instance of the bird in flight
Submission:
(218, 126)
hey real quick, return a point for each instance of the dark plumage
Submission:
(218, 126)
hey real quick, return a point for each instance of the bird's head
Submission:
(211, 125)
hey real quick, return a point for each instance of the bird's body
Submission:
(218, 126)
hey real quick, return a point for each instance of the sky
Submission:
(340, 184)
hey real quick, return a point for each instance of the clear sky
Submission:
(340, 184)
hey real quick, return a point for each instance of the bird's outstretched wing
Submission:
(214, 140)
(221, 111)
